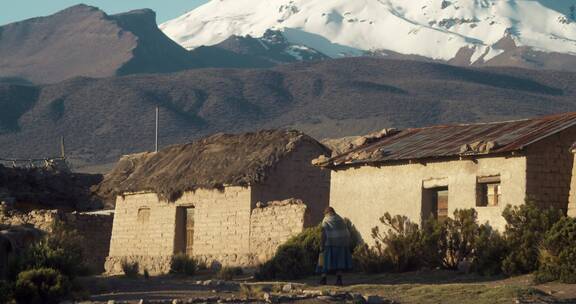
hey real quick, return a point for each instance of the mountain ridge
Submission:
(457, 31)
(84, 41)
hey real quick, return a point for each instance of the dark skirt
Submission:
(334, 259)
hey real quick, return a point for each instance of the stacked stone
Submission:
(96, 230)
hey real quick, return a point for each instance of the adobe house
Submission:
(230, 199)
(434, 170)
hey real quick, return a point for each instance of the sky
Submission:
(16, 10)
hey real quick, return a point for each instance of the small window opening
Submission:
(435, 203)
(143, 215)
(489, 193)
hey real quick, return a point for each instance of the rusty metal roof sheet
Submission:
(448, 140)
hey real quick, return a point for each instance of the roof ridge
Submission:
(493, 122)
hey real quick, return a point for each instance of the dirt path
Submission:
(417, 287)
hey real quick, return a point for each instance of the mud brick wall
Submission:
(227, 231)
(143, 225)
(143, 231)
(221, 224)
(273, 224)
(146, 229)
(296, 177)
(153, 264)
(549, 170)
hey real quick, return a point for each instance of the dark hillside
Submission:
(49, 189)
(102, 119)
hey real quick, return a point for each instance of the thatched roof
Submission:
(211, 162)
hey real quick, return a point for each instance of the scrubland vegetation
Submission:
(536, 240)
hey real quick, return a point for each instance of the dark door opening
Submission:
(184, 239)
(435, 203)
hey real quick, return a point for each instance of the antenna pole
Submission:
(156, 133)
(62, 148)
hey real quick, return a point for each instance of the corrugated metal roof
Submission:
(448, 140)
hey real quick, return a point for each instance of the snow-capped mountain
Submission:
(475, 31)
(272, 46)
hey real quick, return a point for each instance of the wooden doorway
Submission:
(435, 203)
(184, 240)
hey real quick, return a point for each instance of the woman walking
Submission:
(335, 256)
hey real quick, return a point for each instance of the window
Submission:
(143, 215)
(489, 193)
(435, 203)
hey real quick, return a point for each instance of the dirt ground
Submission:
(416, 287)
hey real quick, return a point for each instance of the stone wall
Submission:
(40, 219)
(296, 177)
(95, 228)
(272, 224)
(364, 194)
(549, 170)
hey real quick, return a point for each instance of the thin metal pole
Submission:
(62, 148)
(156, 136)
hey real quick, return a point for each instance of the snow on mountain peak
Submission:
(436, 29)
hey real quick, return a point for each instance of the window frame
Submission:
(141, 218)
(482, 194)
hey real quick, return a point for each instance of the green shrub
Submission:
(401, 243)
(183, 264)
(295, 259)
(442, 243)
(130, 268)
(558, 253)
(525, 229)
(403, 246)
(60, 250)
(43, 285)
(371, 259)
(490, 248)
(229, 273)
(6, 292)
(432, 230)
(457, 238)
